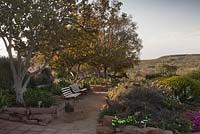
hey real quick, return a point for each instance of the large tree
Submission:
(68, 61)
(118, 45)
(30, 28)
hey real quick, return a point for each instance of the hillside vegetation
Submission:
(185, 63)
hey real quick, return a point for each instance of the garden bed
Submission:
(38, 116)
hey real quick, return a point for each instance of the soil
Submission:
(85, 115)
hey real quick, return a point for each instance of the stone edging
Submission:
(39, 116)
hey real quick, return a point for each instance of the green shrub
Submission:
(44, 78)
(149, 106)
(3, 100)
(56, 88)
(34, 96)
(64, 83)
(7, 98)
(104, 112)
(130, 120)
(118, 92)
(6, 79)
(194, 75)
(153, 76)
(85, 85)
(186, 89)
(177, 124)
(115, 82)
(99, 81)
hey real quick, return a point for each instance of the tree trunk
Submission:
(20, 87)
(19, 96)
(98, 72)
(77, 73)
(105, 72)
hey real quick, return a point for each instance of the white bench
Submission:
(76, 89)
(68, 94)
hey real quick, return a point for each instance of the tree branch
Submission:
(43, 66)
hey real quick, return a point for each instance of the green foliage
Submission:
(44, 78)
(176, 124)
(115, 81)
(150, 107)
(64, 83)
(194, 74)
(56, 88)
(85, 85)
(184, 88)
(130, 120)
(153, 76)
(116, 93)
(97, 81)
(3, 100)
(6, 79)
(7, 98)
(166, 69)
(105, 111)
(34, 96)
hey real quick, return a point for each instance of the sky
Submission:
(165, 26)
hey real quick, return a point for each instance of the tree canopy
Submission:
(66, 34)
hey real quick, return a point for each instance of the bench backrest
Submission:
(75, 88)
(66, 91)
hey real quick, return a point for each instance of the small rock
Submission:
(117, 130)
(129, 129)
(105, 130)
(107, 120)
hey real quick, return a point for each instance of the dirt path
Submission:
(82, 121)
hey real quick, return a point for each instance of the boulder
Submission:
(107, 120)
(105, 130)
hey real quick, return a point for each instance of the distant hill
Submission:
(184, 62)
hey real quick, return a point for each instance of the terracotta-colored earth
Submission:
(82, 121)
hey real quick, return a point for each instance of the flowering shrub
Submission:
(195, 118)
(196, 123)
(130, 120)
